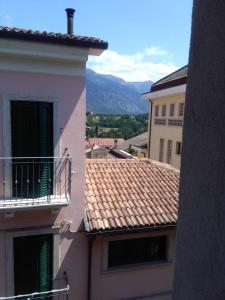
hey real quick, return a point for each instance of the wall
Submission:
(166, 132)
(200, 267)
(125, 283)
(69, 91)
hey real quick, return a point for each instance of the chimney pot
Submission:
(70, 13)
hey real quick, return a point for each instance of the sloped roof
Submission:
(176, 78)
(103, 142)
(138, 141)
(52, 37)
(128, 194)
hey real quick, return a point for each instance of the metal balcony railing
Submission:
(60, 294)
(34, 181)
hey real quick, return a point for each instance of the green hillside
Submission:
(115, 126)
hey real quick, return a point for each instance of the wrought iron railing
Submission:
(60, 294)
(34, 180)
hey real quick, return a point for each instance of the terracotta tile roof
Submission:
(176, 78)
(129, 194)
(52, 37)
(103, 142)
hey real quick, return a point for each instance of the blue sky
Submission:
(148, 39)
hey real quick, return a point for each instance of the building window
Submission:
(160, 121)
(161, 149)
(33, 258)
(181, 110)
(172, 109)
(163, 110)
(169, 152)
(178, 148)
(174, 122)
(137, 251)
(156, 111)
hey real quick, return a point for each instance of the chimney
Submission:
(70, 13)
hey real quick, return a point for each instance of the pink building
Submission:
(130, 220)
(42, 127)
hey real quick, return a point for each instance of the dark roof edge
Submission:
(169, 84)
(131, 230)
(87, 42)
(176, 71)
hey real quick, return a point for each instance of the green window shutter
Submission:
(45, 271)
(33, 261)
(46, 149)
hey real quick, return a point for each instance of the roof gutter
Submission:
(131, 230)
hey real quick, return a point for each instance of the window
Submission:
(172, 109)
(178, 148)
(33, 258)
(32, 136)
(172, 122)
(160, 121)
(156, 111)
(137, 251)
(169, 152)
(181, 110)
(161, 149)
(163, 110)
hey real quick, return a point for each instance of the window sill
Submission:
(137, 267)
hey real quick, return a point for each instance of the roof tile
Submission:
(130, 194)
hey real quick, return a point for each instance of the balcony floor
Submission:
(31, 203)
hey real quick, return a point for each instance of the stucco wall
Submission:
(200, 267)
(130, 282)
(69, 91)
(166, 132)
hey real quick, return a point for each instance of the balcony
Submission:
(60, 294)
(32, 182)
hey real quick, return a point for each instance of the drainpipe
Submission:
(90, 245)
(149, 126)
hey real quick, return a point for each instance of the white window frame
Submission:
(161, 149)
(156, 110)
(178, 147)
(169, 152)
(10, 254)
(172, 109)
(6, 117)
(164, 109)
(181, 109)
(105, 245)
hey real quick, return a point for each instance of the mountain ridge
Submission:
(109, 94)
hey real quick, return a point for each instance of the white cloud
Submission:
(155, 51)
(134, 67)
(7, 20)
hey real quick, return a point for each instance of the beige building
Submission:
(167, 100)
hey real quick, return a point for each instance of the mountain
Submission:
(108, 94)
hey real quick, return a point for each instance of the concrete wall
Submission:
(134, 281)
(166, 132)
(200, 263)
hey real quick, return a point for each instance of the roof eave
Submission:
(117, 231)
(169, 84)
(101, 45)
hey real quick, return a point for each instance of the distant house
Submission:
(136, 146)
(101, 147)
(103, 142)
(131, 214)
(167, 99)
